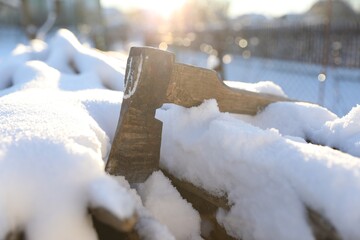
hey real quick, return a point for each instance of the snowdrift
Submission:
(59, 107)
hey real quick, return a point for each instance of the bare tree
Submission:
(26, 19)
(10, 3)
(50, 20)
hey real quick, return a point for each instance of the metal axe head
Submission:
(135, 150)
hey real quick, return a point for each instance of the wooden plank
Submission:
(106, 217)
(108, 232)
(206, 204)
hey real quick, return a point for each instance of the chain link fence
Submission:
(314, 63)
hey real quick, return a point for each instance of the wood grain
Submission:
(190, 86)
(135, 151)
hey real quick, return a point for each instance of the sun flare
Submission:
(163, 8)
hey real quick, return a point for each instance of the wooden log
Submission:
(106, 217)
(321, 228)
(15, 236)
(107, 226)
(206, 204)
(113, 229)
(105, 232)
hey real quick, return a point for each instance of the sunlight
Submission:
(161, 7)
(269, 8)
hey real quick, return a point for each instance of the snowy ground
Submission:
(10, 37)
(59, 108)
(57, 120)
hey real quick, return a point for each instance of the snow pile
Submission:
(259, 87)
(269, 178)
(343, 133)
(52, 150)
(57, 121)
(312, 123)
(51, 167)
(72, 60)
(147, 226)
(168, 207)
(292, 118)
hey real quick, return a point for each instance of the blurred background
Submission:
(311, 48)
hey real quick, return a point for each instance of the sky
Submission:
(237, 7)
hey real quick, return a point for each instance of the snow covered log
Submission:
(152, 79)
(208, 206)
(106, 224)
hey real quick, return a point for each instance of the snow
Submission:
(259, 87)
(169, 208)
(47, 140)
(57, 121)
(59, 108)
(297, 119)
(147, 226)
(14, 36)
(72, 58)
(312, 123)
(269, 178)
(343, 133)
